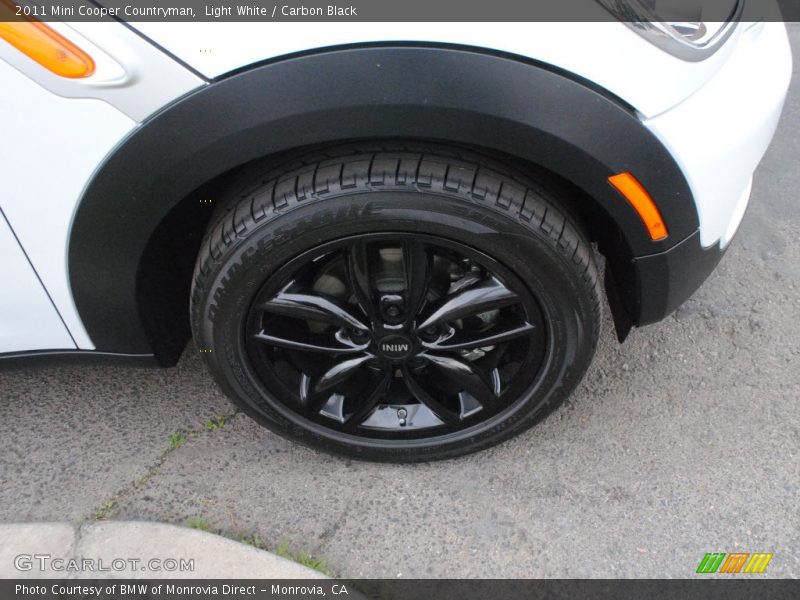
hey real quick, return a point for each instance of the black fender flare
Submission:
(448, 94)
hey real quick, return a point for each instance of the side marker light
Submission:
(642, 203)
(43, 44)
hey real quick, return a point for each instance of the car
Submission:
(393, 246)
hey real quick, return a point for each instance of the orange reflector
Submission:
(44, 45)
(643, 204)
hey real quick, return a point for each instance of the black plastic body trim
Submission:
(666, 280)
(38, 358)
(424, 93)
(587, 83)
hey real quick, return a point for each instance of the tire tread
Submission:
(371, 169)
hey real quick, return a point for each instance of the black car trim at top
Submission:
(442, 95)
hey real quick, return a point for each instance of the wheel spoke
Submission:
(416, 263)
(465, 375)
(339, 372)
(437, 408)
(314, 307)
(316, 391)
(307, 346)
(487, 295)
(369, 404)
(312, 402)
(465, 342)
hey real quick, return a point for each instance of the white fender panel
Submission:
(609, 53)
(49, 150)
(719, 135)
(28, 320)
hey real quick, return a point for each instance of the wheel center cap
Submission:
(395, 347)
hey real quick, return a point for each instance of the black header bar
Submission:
(444, 11)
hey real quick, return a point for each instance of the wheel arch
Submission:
(143, 210)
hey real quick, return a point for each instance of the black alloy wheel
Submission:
(395, 336)
(393, 304)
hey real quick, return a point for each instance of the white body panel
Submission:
(60, 135)
(131, 74)
(609, 54)
(719, 135)
(716, 116)
(28, 320)
(49, 151)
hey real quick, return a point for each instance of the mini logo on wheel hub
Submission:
(395, 347)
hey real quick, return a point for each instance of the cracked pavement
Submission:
(682, 441)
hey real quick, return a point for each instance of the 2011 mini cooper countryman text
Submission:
(384, 240)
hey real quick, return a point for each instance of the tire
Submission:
(365, 275)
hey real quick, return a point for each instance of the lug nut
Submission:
(429, 334)
(392, 307)
(358, 337)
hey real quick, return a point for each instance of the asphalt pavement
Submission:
(682, 441)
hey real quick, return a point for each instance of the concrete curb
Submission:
(109, 546)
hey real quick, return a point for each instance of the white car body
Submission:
(715, 116)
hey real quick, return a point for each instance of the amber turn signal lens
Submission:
(642, 203)
(44, 45)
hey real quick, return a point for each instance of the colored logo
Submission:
(736, 562)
